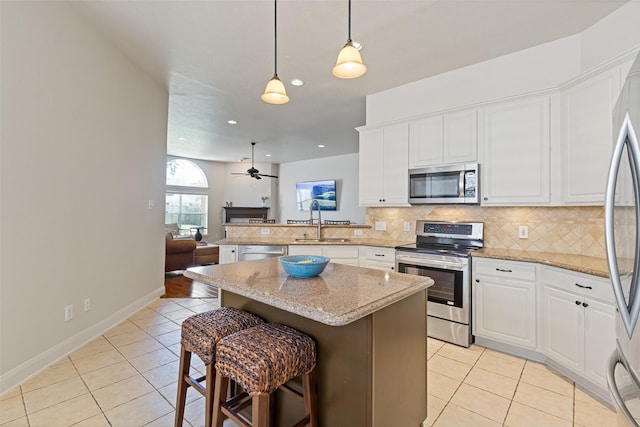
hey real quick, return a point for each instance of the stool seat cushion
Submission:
(201, 332)
(262, 358)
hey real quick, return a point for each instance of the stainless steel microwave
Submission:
(447, 184)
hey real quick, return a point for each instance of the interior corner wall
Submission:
(83, 157)
(344, 169)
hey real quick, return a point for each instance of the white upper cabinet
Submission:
(443, 139)
(587, 136)
(514, 141)
(383, 163)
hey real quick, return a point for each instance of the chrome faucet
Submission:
(317, 203)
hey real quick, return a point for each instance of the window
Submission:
(187, 197)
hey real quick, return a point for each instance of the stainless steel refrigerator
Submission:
(622, 219)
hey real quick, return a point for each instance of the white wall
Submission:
(344, 169)
(615, 34)
(245, 191)
(540, 67)
(83, 150)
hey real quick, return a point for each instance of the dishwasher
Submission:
(252, 252)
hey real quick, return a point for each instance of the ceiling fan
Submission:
(252, 171)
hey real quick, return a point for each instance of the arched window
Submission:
(187, 200)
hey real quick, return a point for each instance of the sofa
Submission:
(178, 253)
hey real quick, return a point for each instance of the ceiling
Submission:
(215, 58)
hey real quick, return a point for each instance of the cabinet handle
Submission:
(233, 251)
(578, 303)
(477, 280)
(584, 304)
(378, 254)
(486, 198)
(503, 270)
(582, 286)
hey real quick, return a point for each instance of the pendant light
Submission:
(349, 64)
(275, 92)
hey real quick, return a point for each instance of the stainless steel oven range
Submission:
(441, 252)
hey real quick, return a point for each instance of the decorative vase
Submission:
(198, 235)
(264, 203)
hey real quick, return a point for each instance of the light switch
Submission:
(523, 232)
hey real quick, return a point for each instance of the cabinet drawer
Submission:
(340, 251)
(505, 269)
(379, 254)
(578, 283)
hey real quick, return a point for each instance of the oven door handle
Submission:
(421, 262)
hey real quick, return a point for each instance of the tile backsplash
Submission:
(568, 230)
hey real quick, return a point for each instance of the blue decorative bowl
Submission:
(304, 265)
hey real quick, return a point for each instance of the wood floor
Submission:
(178, 286)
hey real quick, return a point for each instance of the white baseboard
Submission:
(33, 366)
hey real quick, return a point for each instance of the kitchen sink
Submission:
(323, 240)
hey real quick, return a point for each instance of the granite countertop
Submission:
(381, 243)
(579, 263)
(341, 294)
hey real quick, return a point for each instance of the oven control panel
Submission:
(441, 228)
(464, 230)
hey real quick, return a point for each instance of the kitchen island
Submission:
(370, 327)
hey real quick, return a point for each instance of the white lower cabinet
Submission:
(579, 322)
(377, 258)
(338, 254)
(504, 301)
(228, 254)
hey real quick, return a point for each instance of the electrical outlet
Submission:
(407, 226)
(68, 312)
(380, 226)
(357, 232)
(87, 304)
(523, 232)
(265, 231)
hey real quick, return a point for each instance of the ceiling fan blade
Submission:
(269, 176)
(239, 173)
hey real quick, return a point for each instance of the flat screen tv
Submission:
(323, 191)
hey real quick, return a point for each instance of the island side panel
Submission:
(400, 363)
(344, 365)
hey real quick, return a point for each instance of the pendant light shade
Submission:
(275, 93)
(349, 64)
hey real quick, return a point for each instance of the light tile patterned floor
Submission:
(481, 387)
(127, 377)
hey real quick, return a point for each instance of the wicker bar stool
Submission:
(261, 360)
(200, 335)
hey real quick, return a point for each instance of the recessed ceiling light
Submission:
(297, 82)
(268, 155)
(232, 122)
(182, 138)
(320, 145)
